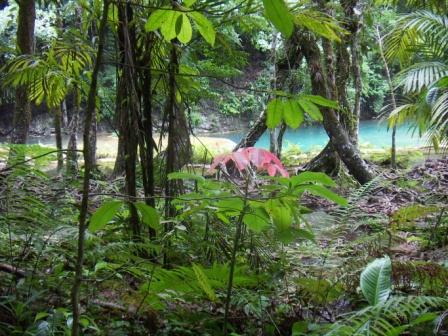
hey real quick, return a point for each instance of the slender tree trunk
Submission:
(393, 154)
(72, 146)
(57, 115)
(348, 152)
(357, 75)
(90, 111)
(25, 46)
(129, 111)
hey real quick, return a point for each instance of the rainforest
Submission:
(224, 168)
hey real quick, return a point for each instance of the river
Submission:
(371, 133)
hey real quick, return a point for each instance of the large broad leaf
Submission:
(321, 101)
(256, 220)
(104, 215)
(274, 113)
(376, 280)
(168, 28)
(310, 108)
(183, 29)
(156, 19)
(312, 177)
(150, 216)
(205, 27)
(292, 113)
(278, 13)
(324, 192)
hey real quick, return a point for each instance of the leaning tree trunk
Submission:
(25, 45)
(339, 139)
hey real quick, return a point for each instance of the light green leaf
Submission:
(156, 19)
(168, 28)
(278, 13)
(185, 33)
(205, 27)
(292, 113)
(150, 216)
(185, 176)
(204, 282)
(189, 3)
(104, 214)
(312, 177)
(311, 109)
(376, 280)
(321, 101)
(257, 220)
(274, 113)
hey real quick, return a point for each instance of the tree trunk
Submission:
(339, 139)
(254, 133)
(25, 46)
(393, 154)
(129, 111)
(72, 146)
(57, 115)
(90, 111)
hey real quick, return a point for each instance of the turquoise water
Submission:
(371, 133)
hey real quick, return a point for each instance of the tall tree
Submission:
(339, 138)
(25, 46)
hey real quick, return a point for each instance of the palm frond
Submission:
(421, 75)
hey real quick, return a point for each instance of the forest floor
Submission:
(402, 214)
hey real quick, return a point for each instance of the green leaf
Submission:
(257, 220)
(233, 205)
(281, 216)
(185, 33)
(292, 113)
(156, 19)
(205, 27)
(278, 13)
(189, 3)
(321, 101)
(274, 113)
(376, 280)
(204, 282)
(104, 214)
(40, 316)
(312, 110)
(185, 176)
(326, 193)
(168, 28)
(312, 177)
(150, 216)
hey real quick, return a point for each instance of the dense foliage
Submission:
(174, 237)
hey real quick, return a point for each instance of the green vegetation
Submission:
(165, 231)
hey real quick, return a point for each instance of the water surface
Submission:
(371, 133)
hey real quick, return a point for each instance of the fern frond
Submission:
(396, 314)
